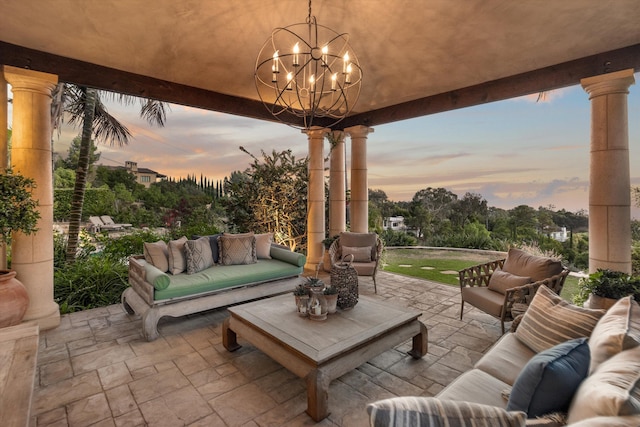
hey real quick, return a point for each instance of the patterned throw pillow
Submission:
(433, 412)
(177, 262)
(618, 330)
(237, 249)
(198, 255)
(157, 254)
(550, 320)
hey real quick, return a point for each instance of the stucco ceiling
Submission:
(408, 49)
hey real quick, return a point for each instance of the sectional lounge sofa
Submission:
(190, 276)
(563, 365)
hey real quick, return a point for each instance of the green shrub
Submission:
(397, 238)
(93, 282)
(121, 248)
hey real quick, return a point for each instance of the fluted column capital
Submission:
(316, 132)
(607, 84)
(359, 131)
(29, 80)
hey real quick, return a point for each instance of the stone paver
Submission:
(96, 369)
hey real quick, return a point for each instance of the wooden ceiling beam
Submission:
(110, 79)
(541, 80)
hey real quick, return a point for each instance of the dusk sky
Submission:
(512, 152)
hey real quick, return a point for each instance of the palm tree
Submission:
(84, 107)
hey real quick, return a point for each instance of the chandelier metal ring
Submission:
(309, 71)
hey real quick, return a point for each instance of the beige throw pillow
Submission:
(362, 254)
(550, 320)
(617, 330)
(177, 261)
(157, 254)
(237, 249)
(612, 390)
(500, 281)
(198, 255)
(263, 245)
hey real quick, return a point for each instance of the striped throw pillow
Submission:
(433, 412)
(550, 320)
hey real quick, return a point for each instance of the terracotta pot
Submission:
(595, 301)
(14, 299)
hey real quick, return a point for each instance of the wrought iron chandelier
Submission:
(309, 71)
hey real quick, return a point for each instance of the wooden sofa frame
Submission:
(138, 298)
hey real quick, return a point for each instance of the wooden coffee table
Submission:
(323, 351)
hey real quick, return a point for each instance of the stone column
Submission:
(337, 190)
(32, 256)
(3, 150)
(609, 183)
(315, 198)
(359, 205)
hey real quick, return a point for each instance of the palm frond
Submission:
(154, 112)
(107, 128)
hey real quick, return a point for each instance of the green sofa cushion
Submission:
(226, 276)
(157, 278)
(287, 256)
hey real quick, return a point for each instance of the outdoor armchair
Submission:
(505, 287)
(366, 249)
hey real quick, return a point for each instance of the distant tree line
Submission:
(270, 196)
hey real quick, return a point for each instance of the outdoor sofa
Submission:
(190, 276)
(563, 365)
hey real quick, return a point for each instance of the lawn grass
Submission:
(442, 266)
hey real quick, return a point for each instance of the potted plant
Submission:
(301, 295)
(18, 213)
(331, 295)
(604, 287)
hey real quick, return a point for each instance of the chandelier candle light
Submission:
(309, 71)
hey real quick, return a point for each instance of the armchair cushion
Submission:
(551, 320)
(524, 264)
(354, 240)
(501, 280)
(434, 412)
(549, 380)
(485, 299)
(360, 254)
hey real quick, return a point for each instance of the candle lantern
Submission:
(317, 305)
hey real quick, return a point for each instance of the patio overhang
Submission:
(418, 58)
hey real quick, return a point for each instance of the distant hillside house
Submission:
(560, 235)
(395, 223)
(143, 176)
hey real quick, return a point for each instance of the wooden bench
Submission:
(18, 356)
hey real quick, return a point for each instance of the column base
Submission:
(46, 319)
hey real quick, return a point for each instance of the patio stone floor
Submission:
(96, 370)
